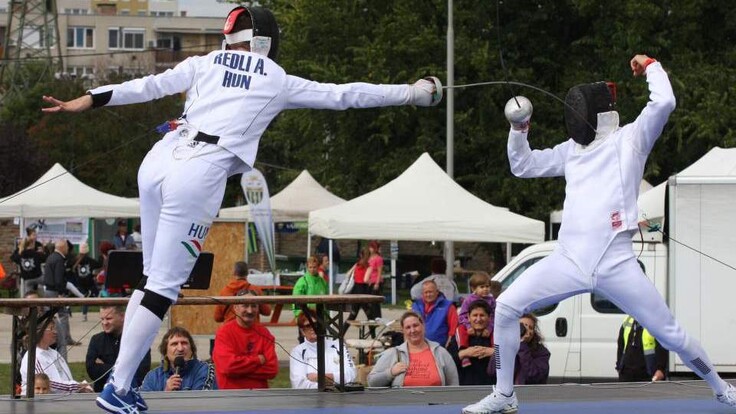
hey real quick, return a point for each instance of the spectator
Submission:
(56, 285)
(83, 268)
(303, 361)
(121, 239)
(361, 287)
(323, 249)
(374, 274)
(42, 385)
(180, 370)
(137, 237)
(439, 313)
(245, 352)
(418, 362)
(445, 284)
(473, 358)
(51, 363)
(29, 255)
(324, 269)
(532, 360)
(104, 347)
(639, 356)
(224, 313)
(310, 283)
(480, 286)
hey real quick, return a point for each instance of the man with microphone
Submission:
(180, 370)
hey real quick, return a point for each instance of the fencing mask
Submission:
(583, 103)
(256, 25)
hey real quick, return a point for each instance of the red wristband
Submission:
(648, 62)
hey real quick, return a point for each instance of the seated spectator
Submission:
(245, 351)
(42, 385)
(104, 348)
(418, 362)
(480, 286)
(180, 370)
(51, 363)
(472, 359)
(224, 313)
(439, 313)
(445, 284)
(640, 357)
(303, 361)
(532, 361)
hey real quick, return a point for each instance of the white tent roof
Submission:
(424, 204)
(60, 194)
(716, 163)
(294, 202)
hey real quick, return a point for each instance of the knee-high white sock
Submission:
(694, 357)
(506, 338)
(136, 341)
(133, 302)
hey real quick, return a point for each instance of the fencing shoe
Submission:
(111, 402)
(728, 397)
(495, 403)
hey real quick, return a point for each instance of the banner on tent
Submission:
(76, 230)
(259, 202)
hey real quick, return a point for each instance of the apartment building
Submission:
(133, 37)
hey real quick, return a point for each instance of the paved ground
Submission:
(83, 331)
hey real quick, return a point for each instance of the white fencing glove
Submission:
(518, 111)
(426, 92)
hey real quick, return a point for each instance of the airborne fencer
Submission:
(603, 165)
(232, 95)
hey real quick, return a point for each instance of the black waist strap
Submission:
(210, 139)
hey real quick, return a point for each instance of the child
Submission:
(480, 286)
(42, 384)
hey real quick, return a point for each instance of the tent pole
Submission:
(247, 242)
(393, 281)
(329, 271)
(508, 253)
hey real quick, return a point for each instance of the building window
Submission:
(81, 72)
(80, 37)
(122, 38)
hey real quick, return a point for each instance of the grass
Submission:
(79, 372)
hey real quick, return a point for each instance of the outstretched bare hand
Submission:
(75, 105)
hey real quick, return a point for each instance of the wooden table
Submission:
(323, 325)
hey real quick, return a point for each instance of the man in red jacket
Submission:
(224, 313)
(245, 351)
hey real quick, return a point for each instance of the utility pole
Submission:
(31, 49)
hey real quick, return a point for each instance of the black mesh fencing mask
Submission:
(583, 103)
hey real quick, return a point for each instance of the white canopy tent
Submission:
(293, 203)
(423, 204)
(59, 194)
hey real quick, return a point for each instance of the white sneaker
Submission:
(728, 397)
(495, 403)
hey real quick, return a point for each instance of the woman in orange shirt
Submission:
(418, 362)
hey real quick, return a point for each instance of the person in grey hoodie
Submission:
(417, 362)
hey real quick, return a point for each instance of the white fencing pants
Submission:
(181, 191)
(619, 278)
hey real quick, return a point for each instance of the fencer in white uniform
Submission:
(602, 164)
(232, 95)
(303, 364)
